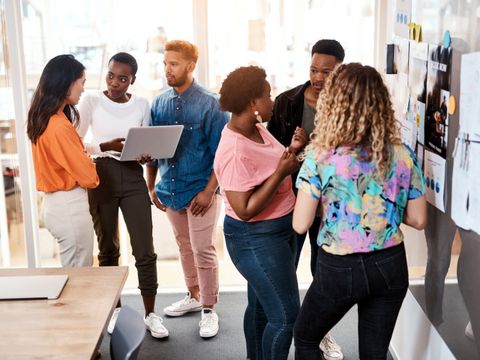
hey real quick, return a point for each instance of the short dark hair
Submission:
(125, 58)
(241, 86)
(329, 47)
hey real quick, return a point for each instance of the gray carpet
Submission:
(185, 343)
(455, 316)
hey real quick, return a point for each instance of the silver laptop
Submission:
(160, 142)
(32, 287)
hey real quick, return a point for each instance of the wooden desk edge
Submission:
(71, 272)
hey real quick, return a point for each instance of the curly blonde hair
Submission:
(354, 109)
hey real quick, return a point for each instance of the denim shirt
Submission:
(187, 173)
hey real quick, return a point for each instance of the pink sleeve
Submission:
(238, 174)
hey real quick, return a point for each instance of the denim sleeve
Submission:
(214, 124)
(153, 112)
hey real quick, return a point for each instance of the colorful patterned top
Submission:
(360, 214)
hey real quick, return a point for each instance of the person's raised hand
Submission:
(299, 140)
(144, 158)
(114, 144)
(288, 164)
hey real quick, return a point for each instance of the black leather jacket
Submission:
(287, 114)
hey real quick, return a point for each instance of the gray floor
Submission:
(455, 316)
(185, 343)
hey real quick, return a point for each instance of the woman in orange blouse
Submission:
(62, 168)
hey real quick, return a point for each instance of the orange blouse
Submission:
(60, 160)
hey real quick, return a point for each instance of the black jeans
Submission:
(122, 186)
(377, 282)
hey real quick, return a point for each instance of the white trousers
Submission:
(67, 217)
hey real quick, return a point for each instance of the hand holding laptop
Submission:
(144, 158)
(113, 145)
(115, 148)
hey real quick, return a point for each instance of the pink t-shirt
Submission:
(242, 164)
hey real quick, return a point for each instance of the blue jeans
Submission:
(263, 252)
(377, 282)
(312, 235)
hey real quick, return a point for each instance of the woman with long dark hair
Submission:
(63, 170)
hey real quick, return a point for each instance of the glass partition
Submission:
(12, 242)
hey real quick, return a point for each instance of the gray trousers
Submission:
(122, 186)
(439, 233)
(467, 273)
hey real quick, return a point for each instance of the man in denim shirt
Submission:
(187, 187)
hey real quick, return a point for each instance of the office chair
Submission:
(127, 336)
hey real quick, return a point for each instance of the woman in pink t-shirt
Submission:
(253, 170)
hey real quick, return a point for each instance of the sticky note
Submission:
(447, 40)
(452, 104)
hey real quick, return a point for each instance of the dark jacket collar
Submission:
(296, 94)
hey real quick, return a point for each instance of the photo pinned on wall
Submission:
(399, 96)
(474, 199)
(469, 94)
(466, 182)
(400, 55)
(434, 172)
(400, 90)
(460, 186)
(408, 133)
(420, 154)
(416, 114)
(417, 84)
(438, 95)
(466, 167)
(402, 17)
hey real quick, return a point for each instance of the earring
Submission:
(258, 117)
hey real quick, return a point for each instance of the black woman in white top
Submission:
(110, 114)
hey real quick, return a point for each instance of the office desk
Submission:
(69, 327)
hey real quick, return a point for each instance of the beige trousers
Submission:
(66, 216)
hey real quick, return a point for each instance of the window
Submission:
(278, 35)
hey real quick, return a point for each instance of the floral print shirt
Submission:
(359, 213)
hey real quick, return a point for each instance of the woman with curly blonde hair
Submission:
(365, 183)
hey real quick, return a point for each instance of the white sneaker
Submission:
(469, 331)
(113, 320)
(209, 323)
(331, 350)
(153, 322)
(186, 305)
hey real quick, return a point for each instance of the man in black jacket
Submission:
(296, 108)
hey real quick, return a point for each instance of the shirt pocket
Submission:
(192, 135)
